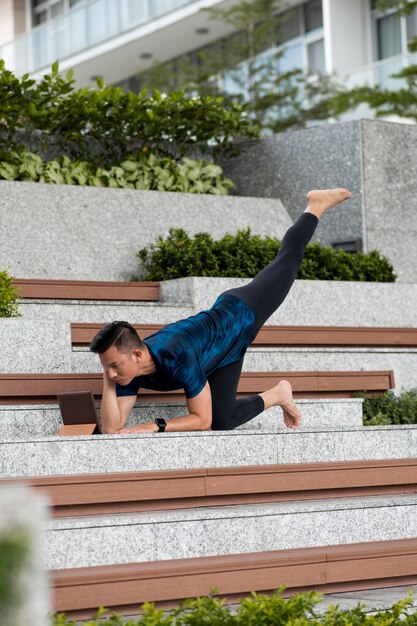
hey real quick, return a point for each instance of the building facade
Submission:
(116, 39)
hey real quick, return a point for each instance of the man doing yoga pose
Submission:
(203, 354)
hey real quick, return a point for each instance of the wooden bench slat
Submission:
(100, 494)
(87, 290)
(356, 566)
(23, 388)
(311, 336)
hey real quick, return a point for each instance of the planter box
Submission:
(376, 160)
(88, 233)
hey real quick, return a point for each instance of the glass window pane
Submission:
(313, 15)
(57, 8)
(39, 18)
(290, 25)
(291, 58)
(389, 36)
(316, 56)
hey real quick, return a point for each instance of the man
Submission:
(203, 354)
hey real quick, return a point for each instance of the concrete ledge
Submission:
(312, 302)
(87, 233)
(49, 456)
(214, 531)
(28, 421)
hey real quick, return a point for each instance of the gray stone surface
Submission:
(316, 302)
(24, 513)
(101, 311)
(28, 421)
(34, 346)
(86, 233)
(375, 159)
(390, 189)
(288, 165)
(47, 456)
(160, 535)
(379, 599)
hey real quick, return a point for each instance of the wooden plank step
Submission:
(42, 388)
(312, 336)
(116, 493)
(327, 569)
(87, 290)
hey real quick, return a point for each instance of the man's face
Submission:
(121, 367)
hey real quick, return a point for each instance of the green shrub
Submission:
(8, 296)
(391, 409)
(243, 255)
(258, 610)
(106, 126)
(13, 554)
(143, 172)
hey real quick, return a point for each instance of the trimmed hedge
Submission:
(14, 550)
(390, 409)
(144, 172)
(258, 610)
(243, 255)
(8, 296)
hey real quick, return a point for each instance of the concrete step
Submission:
(312, 302)
(99, 311)
(27, 421)
(49, 456)
(214, 531)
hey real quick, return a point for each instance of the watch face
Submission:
(160, 422)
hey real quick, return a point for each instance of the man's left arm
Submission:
(198, 418)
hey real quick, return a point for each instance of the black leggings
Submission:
(264, 294)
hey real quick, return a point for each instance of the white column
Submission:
(347, 33)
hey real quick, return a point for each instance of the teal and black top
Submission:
(187, 351)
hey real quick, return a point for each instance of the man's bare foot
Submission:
(319, 200)
(281, 395)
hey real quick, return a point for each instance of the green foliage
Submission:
(106, 126)
(244, 255)
(8, 296)
(277, 100)
(13, 554)
(258, 610)
(143, 172)
(390, 409)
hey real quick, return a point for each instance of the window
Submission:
(389, 36)
(315, 53)
(313, 15)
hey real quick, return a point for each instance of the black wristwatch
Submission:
(161, 423)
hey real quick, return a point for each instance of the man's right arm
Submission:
(114, 411)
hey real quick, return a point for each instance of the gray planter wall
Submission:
(87, 233)
(376, 160)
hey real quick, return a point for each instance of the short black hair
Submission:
(121, 335)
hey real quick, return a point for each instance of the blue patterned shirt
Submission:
(187, 351)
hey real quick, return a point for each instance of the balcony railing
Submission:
(380, 73)
(80, 29)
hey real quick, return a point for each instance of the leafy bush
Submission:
(243, 255)
(8, 296)
(256, 610)
(391, 409)
(106, 126)
(143, 172)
